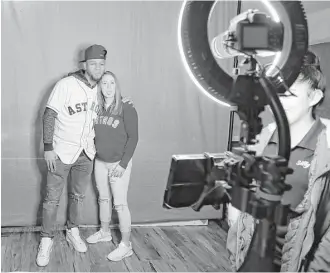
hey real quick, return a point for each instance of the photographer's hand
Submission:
(280, 234)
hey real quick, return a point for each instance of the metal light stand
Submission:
(232, 113)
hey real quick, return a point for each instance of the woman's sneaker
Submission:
(45, 248)
(99, 236)
(121, 252)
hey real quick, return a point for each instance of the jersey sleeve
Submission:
(58, 96)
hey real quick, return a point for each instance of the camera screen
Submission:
(255, 37)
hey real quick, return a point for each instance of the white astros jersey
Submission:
(76, 106)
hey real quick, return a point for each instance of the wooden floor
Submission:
(160, 249)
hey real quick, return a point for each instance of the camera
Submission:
(258, 33)
(250, 33)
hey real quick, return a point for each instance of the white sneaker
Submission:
(44, 250)
(73, 238)
(121, 252)
(99, 236)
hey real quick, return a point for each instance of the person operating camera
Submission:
(304, 244)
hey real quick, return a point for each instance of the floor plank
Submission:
(133, 264)
(27, 248)
(156, 249)
(183, 250)
(15, 252)
(143, 247)
(4, 248)
(176, 258)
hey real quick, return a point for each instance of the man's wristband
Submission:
(48, 147)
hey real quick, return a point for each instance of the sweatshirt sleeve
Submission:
(131, 126)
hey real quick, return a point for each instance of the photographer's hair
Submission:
(312, 74)
(117, 105)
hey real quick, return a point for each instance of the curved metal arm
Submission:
(260, 254)
(280, 118)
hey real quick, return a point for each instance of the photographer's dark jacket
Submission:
(300, 235)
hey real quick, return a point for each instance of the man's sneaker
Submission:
(99, 236)
(73, 238)
(121, 252)
(44, 250)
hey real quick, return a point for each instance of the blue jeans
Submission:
(80, 173)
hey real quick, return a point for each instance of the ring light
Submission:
(201, 65)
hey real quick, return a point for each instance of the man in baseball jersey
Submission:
(69, 147)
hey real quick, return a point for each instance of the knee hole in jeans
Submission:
(76, 197)
(51, 203)
(103, 200)
(52, 198)
(120, 207)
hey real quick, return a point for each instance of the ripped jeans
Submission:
(113, 188)
(80, 173)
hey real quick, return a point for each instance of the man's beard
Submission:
(94, 78)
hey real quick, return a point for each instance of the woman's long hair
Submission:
(117, 105)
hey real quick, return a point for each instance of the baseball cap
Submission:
(95, 52)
